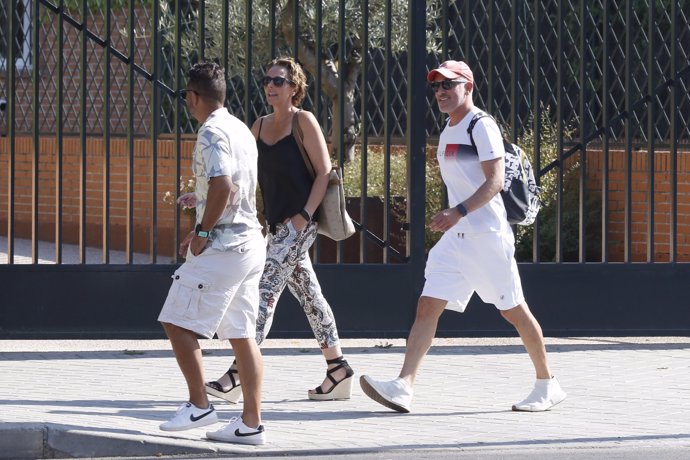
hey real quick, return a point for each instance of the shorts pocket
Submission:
(190, 290)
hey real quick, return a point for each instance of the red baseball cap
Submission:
(452, 70)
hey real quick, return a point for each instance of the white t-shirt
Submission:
(226, 147)
(462, 173)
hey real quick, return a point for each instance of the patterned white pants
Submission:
(288, 263)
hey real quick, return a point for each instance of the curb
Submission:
(35, 440)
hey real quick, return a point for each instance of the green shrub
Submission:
(548, 225)
(398, 181)
(435, 193)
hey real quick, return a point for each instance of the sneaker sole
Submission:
(517, 409)
(251, 441)
(200, 423)
(376, 396)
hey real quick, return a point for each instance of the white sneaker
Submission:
(546, 394)
(189, 416)
(239, 433)
(395, 394)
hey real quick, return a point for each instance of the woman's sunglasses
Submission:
(277, 81)
(445, 84)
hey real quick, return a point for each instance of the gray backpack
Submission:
(520, 193)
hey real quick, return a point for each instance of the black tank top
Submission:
(283, 177)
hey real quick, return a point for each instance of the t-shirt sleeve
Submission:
(488, 139)
(215, 151)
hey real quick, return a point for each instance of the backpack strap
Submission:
(470, 128)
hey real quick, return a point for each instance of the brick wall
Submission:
(143, 198)
(640, 202)
(96, 93)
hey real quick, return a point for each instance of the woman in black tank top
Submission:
(291, 199)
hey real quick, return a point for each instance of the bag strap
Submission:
(298, 135)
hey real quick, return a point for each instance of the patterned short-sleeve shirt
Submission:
(226, 147)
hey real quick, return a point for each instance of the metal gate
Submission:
(95, 146)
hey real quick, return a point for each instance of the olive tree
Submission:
(326, 58)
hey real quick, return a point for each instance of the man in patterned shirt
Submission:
(216, 290)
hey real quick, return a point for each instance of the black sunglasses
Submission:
(277, 81)
(445, 84)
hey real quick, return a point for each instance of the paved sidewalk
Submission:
(107, 398)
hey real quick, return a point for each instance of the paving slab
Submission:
(96, 398)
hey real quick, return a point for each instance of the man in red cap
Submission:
(476, 251)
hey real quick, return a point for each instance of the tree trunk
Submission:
(310, 58)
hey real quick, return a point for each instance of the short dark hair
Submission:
(208, 79)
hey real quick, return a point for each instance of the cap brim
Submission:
(444, 72)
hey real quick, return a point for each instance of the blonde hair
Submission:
(295, 73)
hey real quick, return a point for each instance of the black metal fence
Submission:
(93, 133)
(602, 74)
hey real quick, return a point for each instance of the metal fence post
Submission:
(416, 135)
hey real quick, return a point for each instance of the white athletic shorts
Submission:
(217, 292)
(461, 263)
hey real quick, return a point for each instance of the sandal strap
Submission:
(336, 368)
(230, 373)
(337, 360)
(342, 364)
(215, 385)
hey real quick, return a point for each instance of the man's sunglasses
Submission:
(445, 84)
(277, 81)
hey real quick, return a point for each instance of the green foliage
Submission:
(570, 231)
(101, 5)
(187, 185)
(548, 216)
(398, 181)
(261, 31)
(376, 172)
(435, 193)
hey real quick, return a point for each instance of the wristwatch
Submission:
(199, 232)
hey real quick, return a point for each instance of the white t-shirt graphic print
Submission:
(463, 175)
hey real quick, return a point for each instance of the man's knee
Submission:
(244, 345)
(517, 315)
(170, 328)
(429, 308)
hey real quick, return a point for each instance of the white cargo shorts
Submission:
(217, 292)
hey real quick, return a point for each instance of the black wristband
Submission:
(461, 209)
(305, 214)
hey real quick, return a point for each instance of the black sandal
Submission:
(341, 389)
(232, 394)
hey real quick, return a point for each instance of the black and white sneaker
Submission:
(189, 416)
(239, 433)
